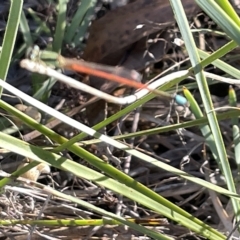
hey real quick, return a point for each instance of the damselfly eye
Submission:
(33, 53)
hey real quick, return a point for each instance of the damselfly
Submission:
(120, 75)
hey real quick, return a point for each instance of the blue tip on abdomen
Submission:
(180, 100)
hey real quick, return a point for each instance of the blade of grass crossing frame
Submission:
(229, 10)
(211, 233)
(226, 22)
(82, 30)
(80, 22)
(61, 25)
(203, 86)
(25, 30)
(10, 37)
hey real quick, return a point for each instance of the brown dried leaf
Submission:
(117, 29)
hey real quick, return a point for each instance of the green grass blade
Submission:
(80, 19)
(25, 30)
(102, 165)
(82, 29)
(61, 25)
(205, 129)
(10, 38)
(226, 22)
(204, 91)
(229, 10)
(79, 170)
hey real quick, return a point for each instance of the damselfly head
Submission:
(33, 53)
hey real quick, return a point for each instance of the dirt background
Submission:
(114, 38)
